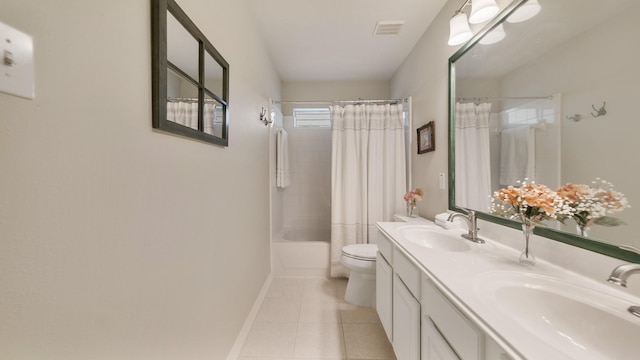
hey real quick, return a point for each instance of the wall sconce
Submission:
(263, 117)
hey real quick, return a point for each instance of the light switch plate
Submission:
(16, 62)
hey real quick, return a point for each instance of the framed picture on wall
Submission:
(426, 138)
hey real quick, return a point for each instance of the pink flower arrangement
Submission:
(592, 205)
(413, 196)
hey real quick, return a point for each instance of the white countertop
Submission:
(465, 278)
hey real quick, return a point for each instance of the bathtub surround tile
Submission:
(270, 340)
(319, 340)
(366, 341)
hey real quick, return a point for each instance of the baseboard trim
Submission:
(234, 354)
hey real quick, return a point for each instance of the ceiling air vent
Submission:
(388, 27)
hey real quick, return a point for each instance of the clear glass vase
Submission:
(527, 257)
(411, 210)
(583, 230)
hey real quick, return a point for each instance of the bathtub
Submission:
(301, 252)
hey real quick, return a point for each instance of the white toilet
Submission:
(361, 260)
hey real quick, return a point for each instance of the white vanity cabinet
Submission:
(397, 293)
(384, 294)
(444, 325)
(419, 320)
(406, 307)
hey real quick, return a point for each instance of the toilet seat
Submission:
(362, 252)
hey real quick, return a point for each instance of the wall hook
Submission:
(599, 112)
(264, 118)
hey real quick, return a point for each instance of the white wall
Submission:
(424, 75)
(118, 241)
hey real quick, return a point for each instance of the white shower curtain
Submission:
(183, 113)
(472, 151)
(368, 173)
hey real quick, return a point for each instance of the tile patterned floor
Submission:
(307, 318)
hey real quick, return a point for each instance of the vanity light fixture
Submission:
(459, 30)
(496, 34)
(483, 10)
(525, 12)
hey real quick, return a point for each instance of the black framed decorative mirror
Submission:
(190, 78)
(551, 75)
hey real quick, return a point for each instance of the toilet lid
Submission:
(365, 252)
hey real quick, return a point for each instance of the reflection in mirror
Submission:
(213, 117)
(182, 48)
(512, 102)
(213, 73)
(182, 101)
(190, 79)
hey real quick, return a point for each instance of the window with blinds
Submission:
(307, 117)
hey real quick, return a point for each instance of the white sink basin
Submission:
(581, 322)
(433, 238)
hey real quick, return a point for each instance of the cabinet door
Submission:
(406, 322)
(384, 294)
(434, 346)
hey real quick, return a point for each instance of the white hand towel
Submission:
(517, 155)
(282, 159)
(442, 221)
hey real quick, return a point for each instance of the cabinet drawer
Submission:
(465, 339)
(407, 271)
(385, 247)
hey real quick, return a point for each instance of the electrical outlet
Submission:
(442, 180)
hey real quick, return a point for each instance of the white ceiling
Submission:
(329, 40)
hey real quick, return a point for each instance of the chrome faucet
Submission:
(472, 222)
(619, 276)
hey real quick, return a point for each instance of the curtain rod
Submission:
(338, 102)
(549, 97)
(190, 100)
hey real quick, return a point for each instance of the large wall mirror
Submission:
(190, 78)
(539, 93)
